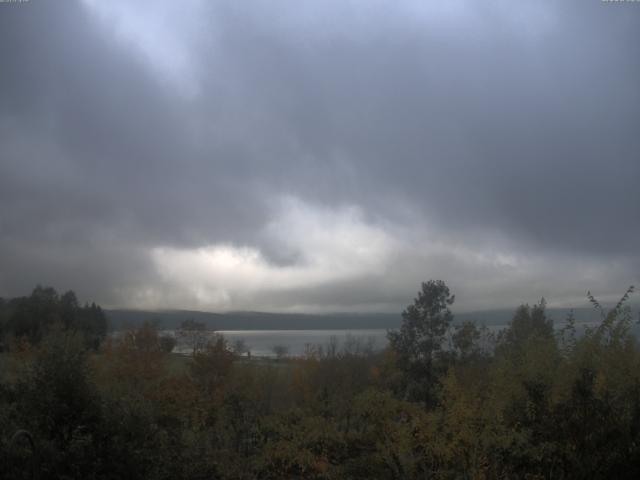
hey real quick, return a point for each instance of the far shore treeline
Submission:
(448, 398)
(123, 319)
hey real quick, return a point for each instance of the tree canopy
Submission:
(419, 341)
(443, 401)
(32, 316)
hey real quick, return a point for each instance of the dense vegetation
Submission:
(30, 318)
(442, 401)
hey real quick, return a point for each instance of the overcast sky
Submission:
(319, 155)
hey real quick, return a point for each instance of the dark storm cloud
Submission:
(96, 157)
(487, 125)
(531, 132)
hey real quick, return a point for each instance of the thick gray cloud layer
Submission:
(319, 155)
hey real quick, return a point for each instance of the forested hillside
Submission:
(120, 319)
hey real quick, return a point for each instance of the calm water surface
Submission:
(262, 342)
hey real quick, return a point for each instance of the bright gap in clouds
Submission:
(337, 248)
(328, 246)
(163, 32)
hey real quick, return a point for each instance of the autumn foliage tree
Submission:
(193, 335)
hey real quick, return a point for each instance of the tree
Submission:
(527, 323)
(211, 366)
(240, 347)
(33, 316)
(145, 337)
(418, 343)
(280, 351)
(92, 322)
(466, 340)
(167, 343)
(59, 404)
(193, 334)
(69, 310)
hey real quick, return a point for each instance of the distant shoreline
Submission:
(251, 321)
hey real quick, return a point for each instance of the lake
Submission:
(261, 342)
(297, 342)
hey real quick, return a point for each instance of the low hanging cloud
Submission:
(324, 247)
(338, 261)
(319, 156)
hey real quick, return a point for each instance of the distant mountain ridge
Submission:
(121, 319)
